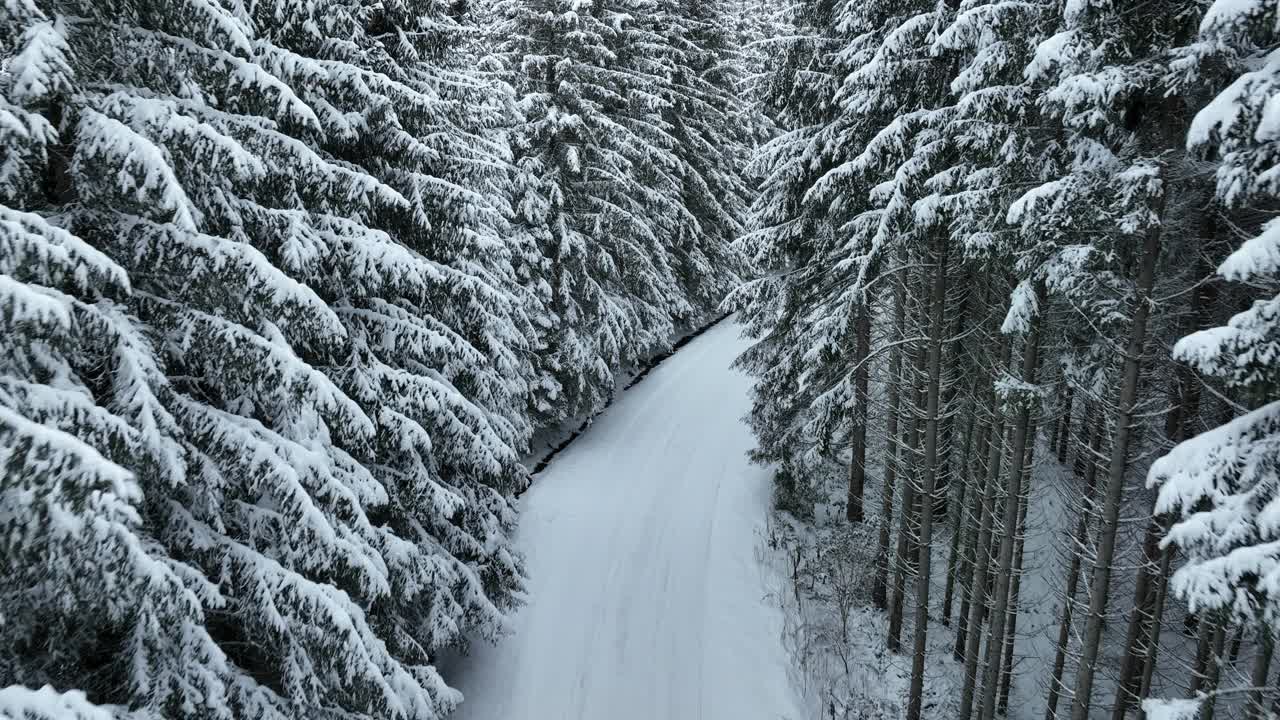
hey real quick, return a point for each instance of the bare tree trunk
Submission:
(913, 546)
(1083, 456)
(957, 523)
(1140, 621)
(973, 474)
(1100, 583)
(1214, 671)
(879, 590)
(1011, 633)
(1204, 645)
(1064, 438)
(1153, 634)
(911, 446)
(1235, 645)
(858, 462)
(1021, 432)
(1055, 434)
(930, 474)
(906, 548)
(982, 552)
(979, 516)
(953, 557)
(944, 485)
(1073, 569)
(1184, 412)
(914, 433)
(1261, 667)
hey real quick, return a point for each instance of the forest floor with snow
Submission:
(825, 563)
(821, 564)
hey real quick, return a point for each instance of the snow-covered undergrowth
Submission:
(841, 672)
(821, 572)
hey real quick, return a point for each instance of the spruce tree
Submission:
(321, 398)
(1220, 486)
(593, 141)
(707, 125)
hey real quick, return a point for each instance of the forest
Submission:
(293, 294)
(1018, 261)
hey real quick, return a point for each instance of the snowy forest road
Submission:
(646, 599)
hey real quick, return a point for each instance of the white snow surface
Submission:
(646, 597)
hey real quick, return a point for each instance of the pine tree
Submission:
(83, 431)
(1101, 100)
(1220, 486)
(306, 455)
(593, 140)
(780, 236)
(706, 123)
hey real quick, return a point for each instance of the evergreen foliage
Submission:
(286, 289)
(994, 209)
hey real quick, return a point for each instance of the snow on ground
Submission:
(854, 675)
(1050, 522)
(646, 597)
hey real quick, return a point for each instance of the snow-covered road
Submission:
(646, 598)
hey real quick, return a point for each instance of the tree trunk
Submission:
(1064, 438)
(1185, 410)
(1055, 436)
(1100, 583)
(1021, 432)
(1214, 671)
(1082, 457)
(1011, 633)
(1255, 710)
(930, 474)
(913, 454)
(982, 552)
(914, 433)
(858, 462)
(980, 515)
(957, 523)
(1235, 645)
(1144, 602)
(949, 390)
(953, 557)
(913, 545)
(1073, 570)
(879, 590)
(1153, 634)
(1204, 644)
(906, 527)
